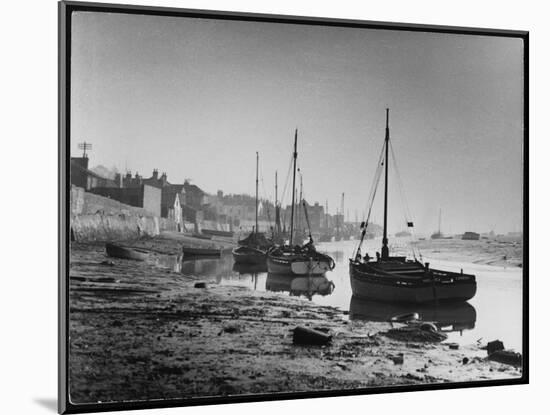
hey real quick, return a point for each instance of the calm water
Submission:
(494, 313)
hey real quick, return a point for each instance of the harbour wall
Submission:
(98, 218)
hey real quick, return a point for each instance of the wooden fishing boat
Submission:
(253, 249)
(297, 259)
(249, 255)
(198, 251)
(119, 251)
(400, 280)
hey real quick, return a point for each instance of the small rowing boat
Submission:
(119, 251)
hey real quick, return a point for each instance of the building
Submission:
(144, 196)
(82, 177)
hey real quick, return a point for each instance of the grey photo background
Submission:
(198, 97)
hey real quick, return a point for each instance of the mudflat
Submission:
(140, 331)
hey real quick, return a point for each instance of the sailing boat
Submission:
(397, 279)
(297, 260)
(252, 249)
(438, 234)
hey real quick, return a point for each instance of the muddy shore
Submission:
(140, 331)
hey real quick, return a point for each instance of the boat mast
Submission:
(257, 162)
(385, 250)
(300, 200)
(275, 187)
(277, 213)
(439, 227)
(294, 156)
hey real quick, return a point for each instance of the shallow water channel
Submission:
(494, 313)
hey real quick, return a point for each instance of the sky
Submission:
(197, 98)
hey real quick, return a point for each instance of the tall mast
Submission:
(257, 163)
(439, 227)
(294, 156)
(385, 250)
(300, 203)
(275, 187)
(277, 218)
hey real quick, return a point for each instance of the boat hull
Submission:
(117, 251)
(247, 255)
(391, 289)
(296, 265)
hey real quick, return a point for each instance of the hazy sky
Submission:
(197, 98)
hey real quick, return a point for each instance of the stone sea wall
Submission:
(97, 218)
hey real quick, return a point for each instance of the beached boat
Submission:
(197, 251)
(119, 251)
(249, 255)
(396, 278)
(253, 248)
(298, 259)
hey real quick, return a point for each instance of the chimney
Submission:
(155, 174)
(127, 182)
(163, 178)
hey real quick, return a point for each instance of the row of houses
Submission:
(186, 201)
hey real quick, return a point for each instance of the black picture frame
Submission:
(65, 10)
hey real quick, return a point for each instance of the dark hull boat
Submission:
(400, 281)
(395, 278)
(249, 255)
(118, 251)
(252, 250)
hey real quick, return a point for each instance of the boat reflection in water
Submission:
(249, 269)
(449, 317)
(300, 286)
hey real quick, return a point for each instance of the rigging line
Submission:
(400, 185)
(377, 173)
(288, 174)
(407, 211)
(372, 195)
